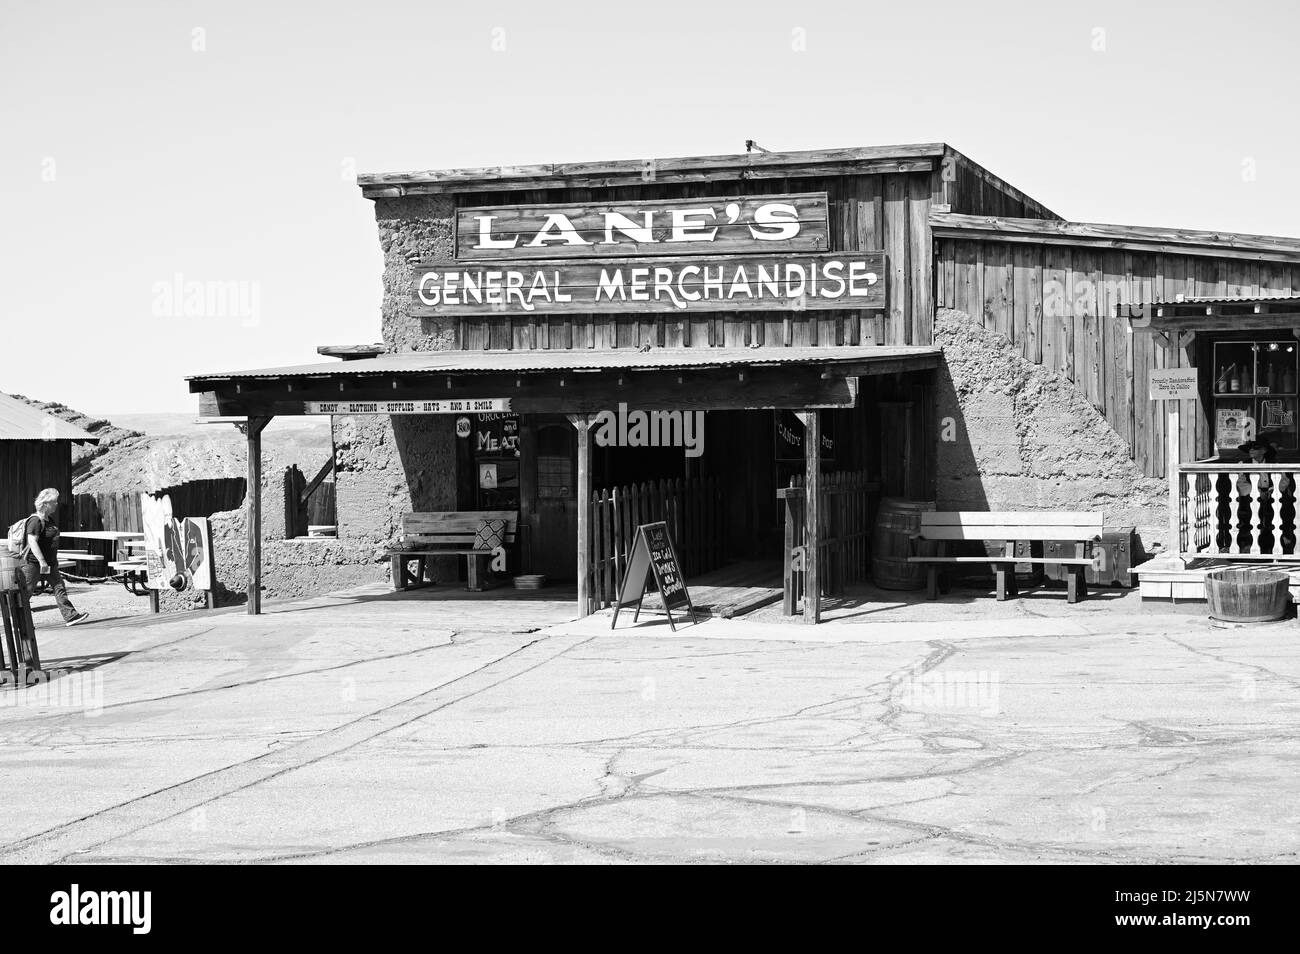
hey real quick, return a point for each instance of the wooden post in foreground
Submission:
(253, 511)
(1171, 467)
(583, 423)
(812, 456)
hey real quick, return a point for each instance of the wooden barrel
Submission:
(897, 522)
(1247, 596)
(9, 564)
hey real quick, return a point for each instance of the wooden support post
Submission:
(1000, 573)
(528, 520)
(253, 510)
(583, 423)
(1171, 464)
(812, 445)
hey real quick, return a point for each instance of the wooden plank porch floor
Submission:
(732, 590)
(1159, 578)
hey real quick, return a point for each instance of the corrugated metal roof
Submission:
(992, 228)
(415, 362)
(1233, 300)
(20, 421)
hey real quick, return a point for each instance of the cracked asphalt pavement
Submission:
(434, 727)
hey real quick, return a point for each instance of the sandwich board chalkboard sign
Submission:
(653, 552)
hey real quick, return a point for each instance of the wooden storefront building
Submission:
(888, 315)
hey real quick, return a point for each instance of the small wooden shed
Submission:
(35, 453)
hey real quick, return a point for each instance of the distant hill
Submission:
(308, 429)
(109, 434)
(151, 451)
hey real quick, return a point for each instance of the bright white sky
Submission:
(128, 157)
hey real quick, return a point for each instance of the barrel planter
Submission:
(898, 521)
(9, 564)
(1248, 595)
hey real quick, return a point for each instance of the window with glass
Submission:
(1254, 390)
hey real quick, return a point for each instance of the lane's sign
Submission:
(457, 406)
(721, 226)
(733, 283)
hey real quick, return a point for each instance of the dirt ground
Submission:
(436, 725)
(106, 602)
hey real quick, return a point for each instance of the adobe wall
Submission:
(1015, 436)
(412, 229)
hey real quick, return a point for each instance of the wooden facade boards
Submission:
(1059, 305)
(27, 468)
(886, 212)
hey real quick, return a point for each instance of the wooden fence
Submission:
(308, 503)
(121, 511)
(692, 508)
(844, 534)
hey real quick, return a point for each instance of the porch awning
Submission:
(569, 381)
(1270, 313)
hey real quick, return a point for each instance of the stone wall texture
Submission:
(1015, 436)
(411, 229)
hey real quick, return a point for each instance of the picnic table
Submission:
(109, 540)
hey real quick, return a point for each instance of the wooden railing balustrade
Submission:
(1242, 511)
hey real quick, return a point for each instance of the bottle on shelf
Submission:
(1234, 380)
(1221, 382)
(1247, 383)
(1288, 380)
(1270, 377)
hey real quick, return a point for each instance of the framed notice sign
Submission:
(653, 554)
(1233, 427)
(1172, 384)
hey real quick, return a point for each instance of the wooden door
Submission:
(555, 506)
(898, 458)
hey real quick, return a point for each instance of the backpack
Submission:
(18, 535)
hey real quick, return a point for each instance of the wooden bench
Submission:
(944, 527)
(427, 535)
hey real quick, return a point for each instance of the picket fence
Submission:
(692, 508)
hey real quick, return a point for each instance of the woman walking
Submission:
(42, 554)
